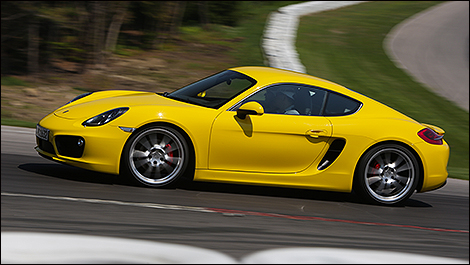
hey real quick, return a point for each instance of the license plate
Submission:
(42, 133)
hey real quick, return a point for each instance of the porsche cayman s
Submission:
(250, 125)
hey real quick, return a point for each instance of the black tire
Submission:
(387, 174)
(156, 156)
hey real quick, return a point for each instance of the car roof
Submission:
(268, 75)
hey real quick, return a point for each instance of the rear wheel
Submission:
(387, 174)
(156, 156)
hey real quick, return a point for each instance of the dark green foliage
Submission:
(76, 31)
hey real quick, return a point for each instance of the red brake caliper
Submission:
(376, 167)
(170, 154)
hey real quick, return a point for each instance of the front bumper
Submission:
(94, 148)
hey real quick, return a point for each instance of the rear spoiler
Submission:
(436, 129)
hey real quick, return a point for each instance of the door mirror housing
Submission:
(250, 108)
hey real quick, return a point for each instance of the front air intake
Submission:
(45, 146)
(336, 147)
(71, 146)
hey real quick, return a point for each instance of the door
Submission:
(270, 143)
(283, 140)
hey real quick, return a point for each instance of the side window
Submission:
(293, 99)
(338, 105)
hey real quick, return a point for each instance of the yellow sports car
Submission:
(250, 125)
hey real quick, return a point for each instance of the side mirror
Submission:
(250, 108)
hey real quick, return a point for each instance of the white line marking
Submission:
(138, 204)
(225, 212)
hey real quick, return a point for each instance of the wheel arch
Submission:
(409, 148)
(188, 140)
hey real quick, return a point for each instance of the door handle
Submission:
(315, 133)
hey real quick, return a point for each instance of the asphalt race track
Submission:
(39, 195)
(432, 46)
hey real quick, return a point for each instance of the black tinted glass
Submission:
(214, 91)
(338, 105)
(304, 99)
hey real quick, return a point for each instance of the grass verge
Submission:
(18, 123)
(12, 81)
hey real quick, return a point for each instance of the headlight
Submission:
(105, 117)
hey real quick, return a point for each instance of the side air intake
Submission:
(333, 152)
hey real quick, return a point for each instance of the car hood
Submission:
(103, 101)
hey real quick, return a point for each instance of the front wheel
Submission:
(156, 156)
(387, 174)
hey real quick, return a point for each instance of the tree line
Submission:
(35, 33)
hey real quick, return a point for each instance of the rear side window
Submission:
(339, 105)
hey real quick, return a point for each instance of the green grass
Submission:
(12, 81)
(346, 47)
(216, 34)
(127, 51)
(14, 122)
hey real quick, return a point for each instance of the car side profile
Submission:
(251, 125)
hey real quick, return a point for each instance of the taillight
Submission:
(430, 136)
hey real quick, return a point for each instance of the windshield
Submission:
(214, 91)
